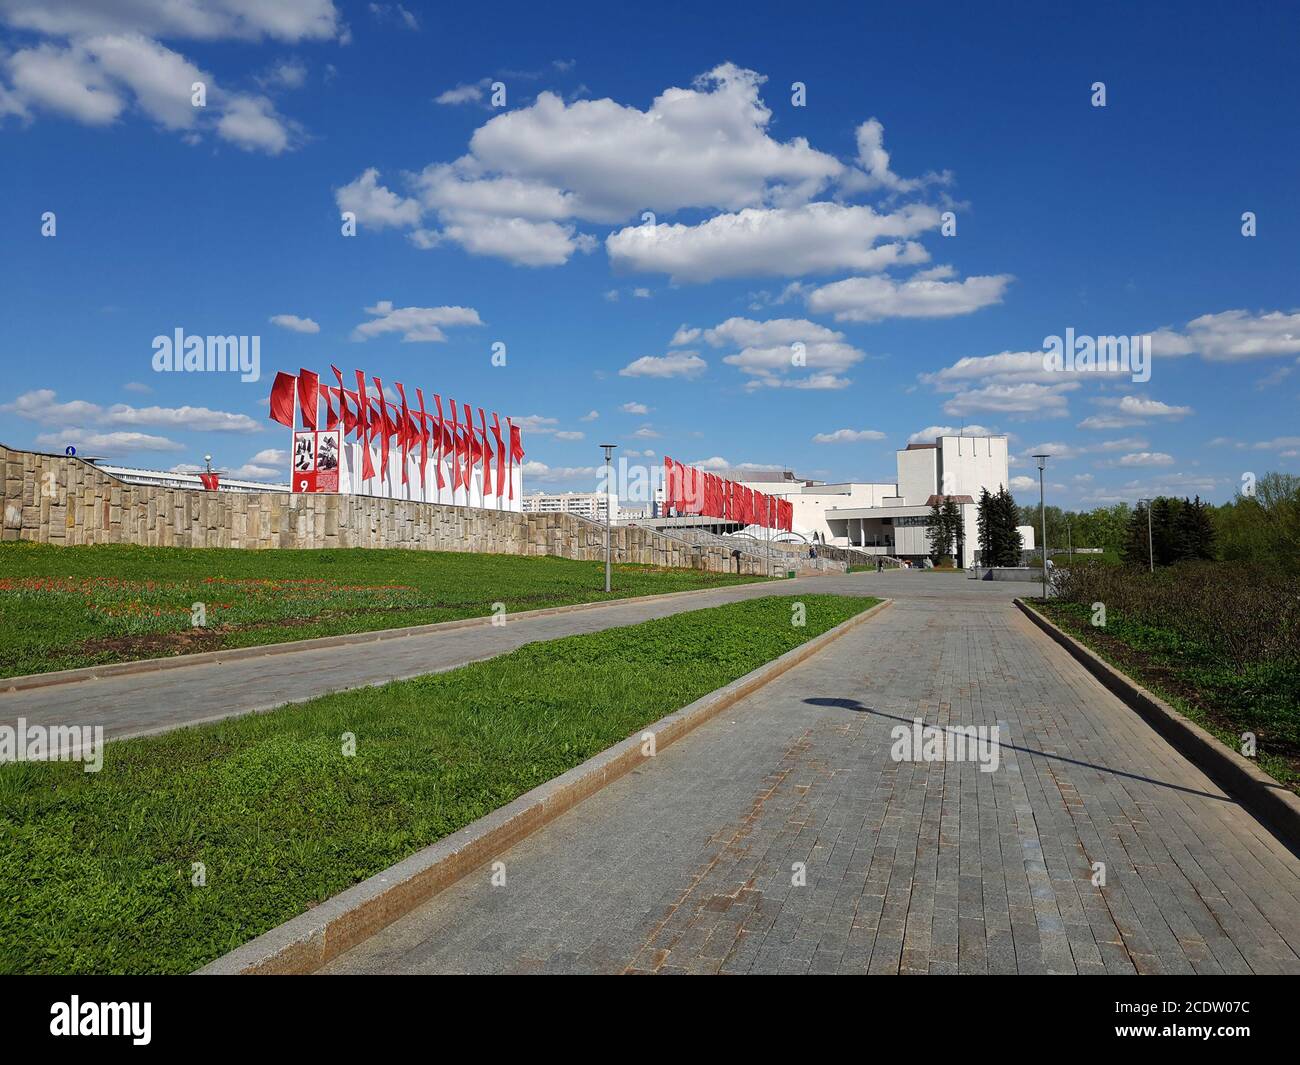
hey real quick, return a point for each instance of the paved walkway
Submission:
(685, 865)
(141, 703)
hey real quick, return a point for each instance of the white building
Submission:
(170, 479)
(890, 519)
(591, 505)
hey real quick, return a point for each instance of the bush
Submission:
(1248, 612)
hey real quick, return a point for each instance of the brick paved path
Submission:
(686, 864)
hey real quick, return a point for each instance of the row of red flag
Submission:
(691, 491)
(374, 418)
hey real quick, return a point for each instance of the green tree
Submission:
(937, 527)
(953, 527)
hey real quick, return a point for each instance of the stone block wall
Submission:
(59, 500)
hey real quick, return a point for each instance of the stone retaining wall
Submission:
(59, 500)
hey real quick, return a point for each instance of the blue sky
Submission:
(774, 224)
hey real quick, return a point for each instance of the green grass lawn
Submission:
(96, 868)
(1201, 683)
(62, 607)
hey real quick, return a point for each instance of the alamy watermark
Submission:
(179, 353)
(919, 742)
(1108, 354)
(53, 743)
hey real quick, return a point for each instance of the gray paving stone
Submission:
(911, 867)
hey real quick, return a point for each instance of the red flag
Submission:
(516, 452)
(349, 419)
(385, 427)
(439, 429)
(487, 455)
(308, 389)
(331, 419)
(424, 440)
(456, 477)
(282, 399)
(668, 485)
(363, 427)
(501, 451)
(209, 481)
(403, 434)
(470, 448)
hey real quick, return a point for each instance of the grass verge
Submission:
(64, 607)
(96, 868)
(1200, 683)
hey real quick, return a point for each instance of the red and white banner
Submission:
(375, 444)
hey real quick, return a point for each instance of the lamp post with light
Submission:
(609, 452)
(1042, 516)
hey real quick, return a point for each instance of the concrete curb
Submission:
(152, 665)
(306, 942)
(1276, 806)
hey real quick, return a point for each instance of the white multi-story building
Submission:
(890, 519)
(593, 505)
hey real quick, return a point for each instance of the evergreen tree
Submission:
(952, 524)
(984, 527)
(1134, 549)
(1196, 532)
(937, 528)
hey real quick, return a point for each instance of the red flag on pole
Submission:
(363, 427)
(456, 479)
(424, 441)
(470, 448)
(487, 456)
(209, 481)
(501, 451)
(516, 452)
(282, 399)
(385, 427)
(308, 390)
(403, 430)
(331, 419)
(439, 429)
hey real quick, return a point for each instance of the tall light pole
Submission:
(1042, 516)
(1151, 555)
(609, 452)
(207, 459)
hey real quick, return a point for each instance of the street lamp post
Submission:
(1042, 516)
(609, 452)
(1151, 555)
(207, 459)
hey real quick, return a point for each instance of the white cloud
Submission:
(930, 433)
(778, 241)
(1144, 458)
(94, 77)
(777, 352)
(590, 416)
(870, 299)
(110, 444)
(40, 405)
(646, 432)
(674, 364)
(685, 335)
(706, 146)
(874, 162)
(295, 324)
(532, 174)
(569, 434)
(1232, 336)
(848, 436)
(1023, 484)
(461, 94)
(284, 20)
(634, 408)
(1005, 368)
(416, 324)
(375, 205)
(1048, 401)
(251, 123)
(1131, 410)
